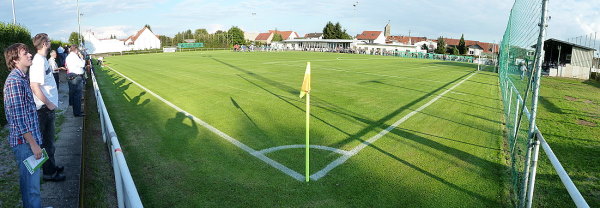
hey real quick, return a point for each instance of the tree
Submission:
(454, 51)
(165, 41)
(148, 26)
(441, 46)
(331, 31)
(200, 35)
(74, 38)
(462, 48)
(236, 35)
(277, 37)
(424, 47)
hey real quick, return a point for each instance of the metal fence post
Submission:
(535, 98)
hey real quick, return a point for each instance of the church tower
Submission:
(386, 30)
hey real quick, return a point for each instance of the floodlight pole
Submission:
(13, 10)
(79, 23)
(534, 142)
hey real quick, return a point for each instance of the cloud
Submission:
(478, 20)
(211, 28)
(121, 31)
(572, 18)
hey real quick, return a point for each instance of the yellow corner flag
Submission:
(306, 83)
(305, 90)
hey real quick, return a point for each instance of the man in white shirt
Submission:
(45, 96)
(75, 66)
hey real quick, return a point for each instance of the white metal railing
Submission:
(127, 195)
(562, 173)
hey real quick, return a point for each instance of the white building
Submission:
(144, 39)
(320, 45)
(378, 49)
(95, 45)
(375, 37)
(313, 36)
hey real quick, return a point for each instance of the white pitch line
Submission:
(373, 139)
(274, 149)
(228, 138)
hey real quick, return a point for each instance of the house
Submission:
(142, 40)
(250, 36)
(475, 48)
(564, 59)
(94, 45)
(264, 38)
(313, 36)
(286, 35)
(371, 37)
(406, 40)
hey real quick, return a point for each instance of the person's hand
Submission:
(37, 151)
(51, 106)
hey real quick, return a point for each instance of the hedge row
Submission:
(10, 34)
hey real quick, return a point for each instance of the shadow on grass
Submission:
(236, 105)
(593, 83)
(422, 140)
(459, 64)
(483, 118)
(177, 135)
(378, 125)
(550, 106)
(444, 97)
(287, 100)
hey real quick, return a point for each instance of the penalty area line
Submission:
(228, 138)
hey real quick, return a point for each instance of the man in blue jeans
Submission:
(75, 66)
(24, 137)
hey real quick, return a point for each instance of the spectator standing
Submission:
(24, 132)
(55, 69)
(45, 96)
(60, 60)
(75, 66)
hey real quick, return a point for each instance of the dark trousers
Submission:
(46, 118)
(75, 93)
(56, 79)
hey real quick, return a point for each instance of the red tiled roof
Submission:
(137, 35)
(405, 39)
(313, 35)
(368, 35)
(263, 36)
(284, 34)
(487, 47)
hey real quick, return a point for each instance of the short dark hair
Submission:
(73, 48)
(39, 40)
(11, 54)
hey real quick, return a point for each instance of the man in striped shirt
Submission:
(24, 137)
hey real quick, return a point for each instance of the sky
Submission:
(481, 20)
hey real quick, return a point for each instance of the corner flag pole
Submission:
(305, 90)
(307, 136)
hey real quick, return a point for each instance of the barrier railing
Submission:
(127, 195)
(562, 173)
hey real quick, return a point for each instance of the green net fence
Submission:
(516, 65)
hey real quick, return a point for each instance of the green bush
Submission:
(10, 34)
(55, 43)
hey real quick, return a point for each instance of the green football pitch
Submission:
(222, 129)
